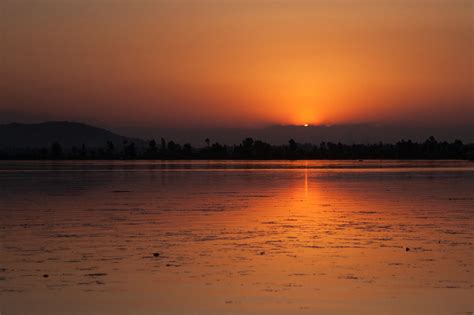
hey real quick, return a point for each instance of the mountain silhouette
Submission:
(67, 134)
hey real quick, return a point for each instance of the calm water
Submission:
(237, 237)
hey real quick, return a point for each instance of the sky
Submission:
(237, 63)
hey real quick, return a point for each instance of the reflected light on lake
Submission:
(308, 237)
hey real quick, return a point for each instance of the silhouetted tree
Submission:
(187, 150)
(56, 150)
(152, 149)
(247, 143)
(163, 145)
(110, 148)
(172, 146)
(130, 150)
(292, 144)
(83, 152)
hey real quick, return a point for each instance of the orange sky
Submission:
(240, 63)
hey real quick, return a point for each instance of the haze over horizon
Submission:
(213, 65)
(24, 134)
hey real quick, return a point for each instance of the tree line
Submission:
(250, 149)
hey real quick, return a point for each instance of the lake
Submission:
(236, 237)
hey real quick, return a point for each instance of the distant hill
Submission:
(68, 134)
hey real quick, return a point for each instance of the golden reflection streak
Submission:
(306, 180)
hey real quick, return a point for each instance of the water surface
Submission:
(233, 237)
